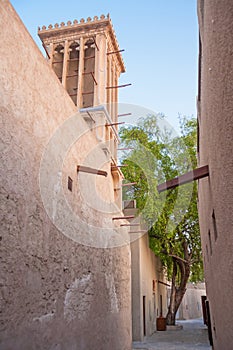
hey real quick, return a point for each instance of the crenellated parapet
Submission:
(86, 28)
(75, 22)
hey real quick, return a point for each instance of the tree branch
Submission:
(193, 261)
(178, 258)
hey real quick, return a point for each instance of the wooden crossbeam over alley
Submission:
(195, 174)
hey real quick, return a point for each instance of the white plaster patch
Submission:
(56, 190)
(44, 318)
(110, 284)
(78, 298)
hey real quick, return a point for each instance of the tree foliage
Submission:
(158, 155)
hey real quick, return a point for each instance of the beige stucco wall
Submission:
(55, 292)
(191, 306)
(146, 267)
(146, 274)
(215, 114)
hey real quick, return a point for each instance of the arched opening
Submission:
(72, 71)
(58, 61)
(88, 74)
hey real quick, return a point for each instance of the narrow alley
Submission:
(116, 197)
(193, 336)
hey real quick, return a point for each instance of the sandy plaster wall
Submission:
(146, 268)
(55, 293)
(216, 144)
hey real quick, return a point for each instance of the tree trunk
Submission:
(177, 292)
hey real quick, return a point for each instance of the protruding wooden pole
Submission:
(130, 225)
(123, 217)
(117, 86)
(118, 123)
(112, 52)
(118, 166)
(129, 184)
(124, 114)
(85, 169)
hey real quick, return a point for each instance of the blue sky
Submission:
(160, 39)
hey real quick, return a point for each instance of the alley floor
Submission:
(193, 336)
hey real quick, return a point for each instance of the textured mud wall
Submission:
(216, 145)
(55, 293)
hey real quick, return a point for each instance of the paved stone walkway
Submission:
(193, 336)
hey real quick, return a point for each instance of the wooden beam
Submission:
(112, 52)
(118, 166)
(117, 86)
(123, 217)
(72, 75)
(88, 58)
(129, 184)
(165, 284)
(124, 114)
(195, 174)
(92, 75)
(130, 225)
(85, 169)
(118, 123)
(88, 93)
(95, 43)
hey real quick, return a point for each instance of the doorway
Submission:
(144, 315)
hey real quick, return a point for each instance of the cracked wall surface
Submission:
(55, 292)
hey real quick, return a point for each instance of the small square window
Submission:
(70, 183)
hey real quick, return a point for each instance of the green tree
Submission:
(158, 155)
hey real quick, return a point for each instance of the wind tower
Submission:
(87, 60)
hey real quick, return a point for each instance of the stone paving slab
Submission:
(193, 336)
